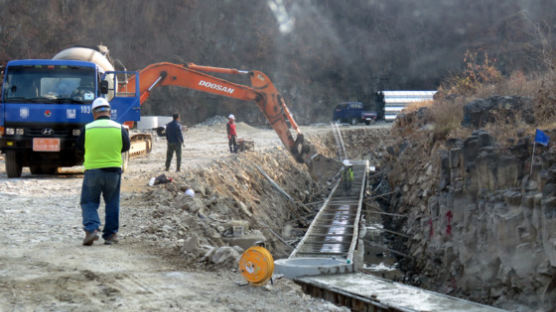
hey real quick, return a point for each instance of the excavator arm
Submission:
(261, 91)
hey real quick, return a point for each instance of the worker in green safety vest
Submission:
(347, 175)
(103, 142)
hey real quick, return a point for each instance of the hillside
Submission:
(316, 52)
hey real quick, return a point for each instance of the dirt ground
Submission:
(44, 267)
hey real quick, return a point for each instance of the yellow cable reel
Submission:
(256, 265)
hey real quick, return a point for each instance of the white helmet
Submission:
(346, 162)
(190, 192)
(232, 117)
(100, 102)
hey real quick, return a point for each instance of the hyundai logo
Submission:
(47, 131)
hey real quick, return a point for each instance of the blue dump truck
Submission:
(45, 104)
(352, 112)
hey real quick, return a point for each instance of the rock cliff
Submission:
(482, 218)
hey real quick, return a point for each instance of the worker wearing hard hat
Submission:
(232, 133)
(103, 142)
(347, 175)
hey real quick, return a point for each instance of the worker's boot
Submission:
(90, 237)
(112, 239)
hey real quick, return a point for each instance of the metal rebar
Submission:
(320, 202)
(381, 195)
(386, 248)
(277, 187)
(389, 231)
(338, 145)
(279, 237)
(386, 213)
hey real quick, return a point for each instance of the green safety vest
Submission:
(103, 144)
(348, 174)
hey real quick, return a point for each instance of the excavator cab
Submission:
(125, 103)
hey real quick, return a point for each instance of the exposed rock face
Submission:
(484, 224)
(495, 224)
(508, 109)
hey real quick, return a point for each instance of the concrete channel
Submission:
(326, 259)
(366, 292)
(329, 244)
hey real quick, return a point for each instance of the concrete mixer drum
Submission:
(99, 56)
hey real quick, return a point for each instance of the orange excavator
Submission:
(40, 122)
(261, 91)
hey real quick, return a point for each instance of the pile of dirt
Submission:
(212, 121)
(220, 121)
(233, 206)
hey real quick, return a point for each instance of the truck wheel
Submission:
(35, 169)
(367, 122)
(13, 165)
(125, 161)
(49, 169)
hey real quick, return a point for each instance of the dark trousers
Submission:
(232, 144)
(173, 147)
(95, 183)
(346, 184)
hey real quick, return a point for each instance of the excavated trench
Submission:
(236, 205)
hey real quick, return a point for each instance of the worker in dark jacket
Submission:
(174, 137)
(103, 142)
(232, 134)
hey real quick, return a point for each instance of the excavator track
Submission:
(141, 144)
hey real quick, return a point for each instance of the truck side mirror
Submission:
(104, 87)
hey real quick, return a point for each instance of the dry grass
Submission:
(481, 79)
(448, 111)
(447, 116)
(416, 105)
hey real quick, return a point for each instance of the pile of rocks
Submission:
(213, 121)
(210, 215)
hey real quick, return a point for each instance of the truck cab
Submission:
(352, 112)
(44, 105)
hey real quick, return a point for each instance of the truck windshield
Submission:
(55, 84)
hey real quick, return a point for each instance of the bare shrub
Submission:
(481, 79)
(479, 73)
(545, 99)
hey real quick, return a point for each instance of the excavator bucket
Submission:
(322, 168)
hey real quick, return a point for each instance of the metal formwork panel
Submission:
(335, 227)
